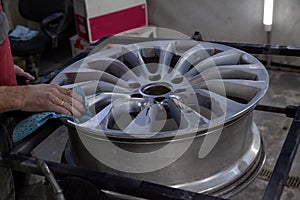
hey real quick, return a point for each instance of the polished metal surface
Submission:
(175, 112)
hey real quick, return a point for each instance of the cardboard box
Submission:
(98, 18)
(78, 44)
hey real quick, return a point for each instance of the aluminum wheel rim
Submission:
(201, 89)
(182, 67)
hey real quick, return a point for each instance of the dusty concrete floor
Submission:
(284, 90)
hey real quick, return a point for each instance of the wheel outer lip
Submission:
(226, 184)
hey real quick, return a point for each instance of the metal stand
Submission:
(20, 160)
(285, 160)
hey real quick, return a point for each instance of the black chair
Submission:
(56, 21)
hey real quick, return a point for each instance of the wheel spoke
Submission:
(140, 124)
(107, 96)
(229, 57)
(98, 119)
(191, 116)
(165, 59)
(239, 90)
(240, 72)
(123, 112)
(232, 107)
(84, 76)
(113, 67)
(192, 57)
(175, 112)
(134, 60)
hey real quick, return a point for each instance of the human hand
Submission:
(21, 73)
(51, 97)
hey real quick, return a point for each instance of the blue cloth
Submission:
(32, 123)
(22, 33)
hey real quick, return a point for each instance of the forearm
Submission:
(39, 98)
(10, 98)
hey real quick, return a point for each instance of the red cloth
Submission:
(7, 72)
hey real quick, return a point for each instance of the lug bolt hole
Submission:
(154, 77)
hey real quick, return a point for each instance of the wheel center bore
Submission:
(156, 89)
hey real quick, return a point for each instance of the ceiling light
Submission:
(268, 14)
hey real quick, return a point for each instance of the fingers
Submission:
(70, 101)
(20, 72)
(60, 109)
(70, 93)
(50, 97)
(76, 109)
(28, 76)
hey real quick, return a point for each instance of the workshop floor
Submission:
(284, 90)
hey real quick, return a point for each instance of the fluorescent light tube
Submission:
(268, 14)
